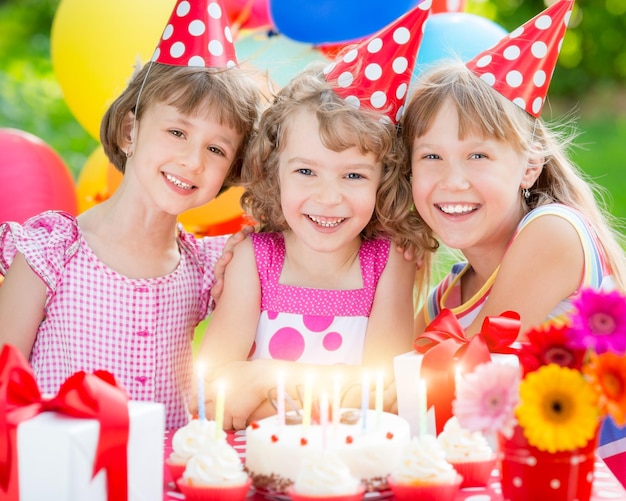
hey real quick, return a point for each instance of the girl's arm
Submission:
(390, 326)
(231, 330)
(543, 266)
(22, 300)
(232, 326)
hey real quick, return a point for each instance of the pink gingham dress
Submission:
(316, 326)
(140, 330)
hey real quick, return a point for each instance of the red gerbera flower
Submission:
(550, 345)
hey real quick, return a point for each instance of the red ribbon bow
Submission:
(444, 340)
(87, 396)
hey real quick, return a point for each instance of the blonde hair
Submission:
(481, 108)
(229, 95)
(341, 126)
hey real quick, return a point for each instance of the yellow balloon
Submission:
(92, 183)
(95, 47)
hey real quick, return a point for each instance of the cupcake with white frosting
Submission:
(424, 473)
(469, 453)
(215, 473)
(188, 440)
(325, 477)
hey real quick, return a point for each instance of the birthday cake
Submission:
(275, 452)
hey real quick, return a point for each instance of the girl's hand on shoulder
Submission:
(226, 257)
(411, 256)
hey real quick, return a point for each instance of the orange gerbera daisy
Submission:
(608, 375)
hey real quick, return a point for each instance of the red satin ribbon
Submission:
(87, 396)
(444, 340)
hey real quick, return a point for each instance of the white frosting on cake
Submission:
(278, 453)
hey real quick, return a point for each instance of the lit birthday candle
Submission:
(378, 398)
(365, 400)
(200, 390)
(324, 418)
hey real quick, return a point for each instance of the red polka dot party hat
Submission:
(521, 65)
(197, 34)
(375, 74)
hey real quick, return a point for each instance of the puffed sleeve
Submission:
(47, 241)
(206, 251)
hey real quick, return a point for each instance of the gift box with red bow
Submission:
(440, 353)
(86, 442)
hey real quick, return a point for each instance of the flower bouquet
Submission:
(547, 413)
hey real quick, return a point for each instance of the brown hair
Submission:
(228, 94)
(341, 126)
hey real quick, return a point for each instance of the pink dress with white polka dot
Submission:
(315, 326)
(140, 330)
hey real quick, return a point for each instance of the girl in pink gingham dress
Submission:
(123, 286)
(140, 330)
(321, 283)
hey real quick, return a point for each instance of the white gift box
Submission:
(56, 456)
(406, 369)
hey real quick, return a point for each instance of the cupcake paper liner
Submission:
(176, 469)
(425, 492)
(357, 496)
(475, 473)
(213, 493)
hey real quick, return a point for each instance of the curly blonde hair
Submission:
(341, 126)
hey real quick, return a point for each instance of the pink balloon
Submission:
(248, 13)
(33, 178)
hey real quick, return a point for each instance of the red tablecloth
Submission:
(605, 485)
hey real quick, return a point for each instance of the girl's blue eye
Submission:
(306, 172)
(354, 175)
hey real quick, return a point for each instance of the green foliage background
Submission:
(589, 79)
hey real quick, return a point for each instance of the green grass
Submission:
(602, 155)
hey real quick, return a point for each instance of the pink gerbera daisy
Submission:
(599, 321)
(486, 398)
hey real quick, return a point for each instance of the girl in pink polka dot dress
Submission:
(324, 281)
(321, 283)
(123, 286)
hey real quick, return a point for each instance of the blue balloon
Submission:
(456, 35)
(334, 21)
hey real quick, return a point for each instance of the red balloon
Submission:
(248, 13)
(33, 178)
